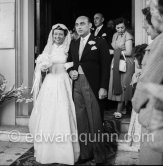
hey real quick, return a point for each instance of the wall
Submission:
(7, 56)
(16, 54)
(140, 34)
(25, 53)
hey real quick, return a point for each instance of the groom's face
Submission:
(83, 26)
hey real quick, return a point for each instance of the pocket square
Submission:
(94, 48)
(104, 34)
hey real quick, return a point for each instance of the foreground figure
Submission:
(90, 75)
(53, 117)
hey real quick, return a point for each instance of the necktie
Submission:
(81, 48)
(96, 32)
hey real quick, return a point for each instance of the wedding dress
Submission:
(53, 119)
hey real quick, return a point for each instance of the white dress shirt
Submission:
(98, 30)
(84, 40)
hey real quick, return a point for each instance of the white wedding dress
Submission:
(53, 116)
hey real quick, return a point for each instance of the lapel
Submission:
(101, 31)
(87, 47)
(77, 49)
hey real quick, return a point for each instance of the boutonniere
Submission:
(94, 48)
(104, 34)
(91, 42)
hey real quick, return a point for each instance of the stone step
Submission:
(127, 158)
(125, 144)
(125, 122)
(15, 134)
(122, 124)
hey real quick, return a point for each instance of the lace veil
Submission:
(37, 80)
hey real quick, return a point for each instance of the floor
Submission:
(10, 151)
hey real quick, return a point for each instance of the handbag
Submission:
(122, 63)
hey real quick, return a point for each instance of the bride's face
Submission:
(58, 36)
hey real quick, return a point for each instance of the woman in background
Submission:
(120, 89)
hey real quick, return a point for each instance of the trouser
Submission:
(103, 107)
(89, 121)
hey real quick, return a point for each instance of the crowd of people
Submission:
(84, 72)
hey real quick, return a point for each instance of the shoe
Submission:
(82, 161)
(100, 164)
(117, 115)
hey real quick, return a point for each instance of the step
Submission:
(125, 122)
(124, 144)
(14, 133)
(22, 120)
(127, 158)
(122, 124)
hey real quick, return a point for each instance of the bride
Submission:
(53, 118)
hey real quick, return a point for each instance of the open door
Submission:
(50, 12)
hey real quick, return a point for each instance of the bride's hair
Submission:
(60, 28)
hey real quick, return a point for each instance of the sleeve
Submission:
(105, 62)
(113, 41)
(128, 36)
(70, 60)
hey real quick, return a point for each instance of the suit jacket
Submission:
(95, 62)
(107, 34)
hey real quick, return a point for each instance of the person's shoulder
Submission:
(104, 28)
(157, 42)
(115, 34)
(128, 35)
(99, 38)
(73, 41)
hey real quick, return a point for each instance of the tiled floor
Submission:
(10, 151)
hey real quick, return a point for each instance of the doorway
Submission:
(50, 12)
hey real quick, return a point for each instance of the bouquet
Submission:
(44, 61)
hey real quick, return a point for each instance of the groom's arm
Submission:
(105, 62)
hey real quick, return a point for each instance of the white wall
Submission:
(17, 57)
(7, 68)
(25, 50)
(7, 57)
(140, 34)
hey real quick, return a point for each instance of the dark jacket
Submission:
(95, 62)
(107, 34)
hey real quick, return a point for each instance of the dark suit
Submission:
(94, 62)
(107, 34)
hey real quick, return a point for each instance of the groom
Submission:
(90, 75)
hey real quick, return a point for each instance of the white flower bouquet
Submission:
(44, 62)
